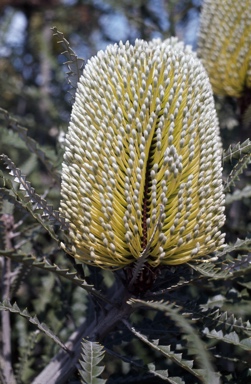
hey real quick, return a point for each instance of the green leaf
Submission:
(229, 269)
(239, 266)
(237, 171)
(237, 246)
(31, 144)
(6, 195)
(163, 374)
(31, 260)
(44, 264)
(224, 327)
(229, 338)
(20, 275)
(30, 200)
(211, 270)
(237, 150)
(238, 195)
(92, 355)
(25, 357)
(166, 351)
(206, 374)
(6, 306)
(246, 343)
(229, 322)
(74, 63)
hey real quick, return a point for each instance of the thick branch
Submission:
(62, 365)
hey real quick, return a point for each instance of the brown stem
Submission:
(6, 365)
(63, 364)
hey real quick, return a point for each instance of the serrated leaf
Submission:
(237, 171)
(166, 351)
(230, 338)
(25, 356)
(240, 266)
(92, 355)
(30, 200)
(164, 375)
(74, 63)
(45, 265)
(237, 246)
(226, 321)
(7, 306)
(237, 150)
(31, 144)
(210, 270)
(20, 274)
(206, 374)
(230, 269)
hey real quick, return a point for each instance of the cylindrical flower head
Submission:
(224, 45)
(142, 158)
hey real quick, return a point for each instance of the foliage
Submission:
(92, 354)
(82, 324)
(74, 63)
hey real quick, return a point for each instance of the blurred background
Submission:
(32, 80)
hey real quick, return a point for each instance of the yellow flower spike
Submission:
(224, 45)
(142, 163)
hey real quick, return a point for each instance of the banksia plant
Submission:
(224, 45)
(141, 191)
(142, 165)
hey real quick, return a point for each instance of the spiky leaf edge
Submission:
(150, 369)
(7, 306)
(237, 171)
(239, 245)
(30, 200)
(206, 373)
(74, 63)
(236, 151)
(45, 265)
(229, 269)
(25, 356)
(91, 357)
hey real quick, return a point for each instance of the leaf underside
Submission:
(91, 357)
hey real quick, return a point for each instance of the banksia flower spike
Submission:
(224, 45)
(142, 164)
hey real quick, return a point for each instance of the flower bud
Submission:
(224, 45)
(142, 164)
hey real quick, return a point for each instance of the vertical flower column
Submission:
(224, 45)
(142, 163)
